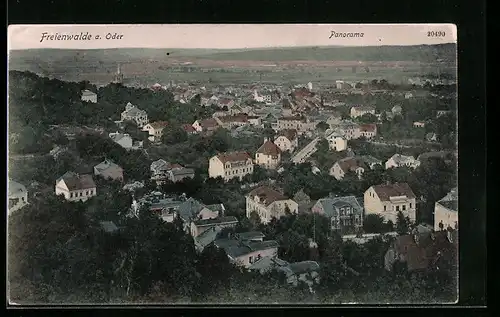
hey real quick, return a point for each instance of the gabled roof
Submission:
(385, 192)
(158, 124)
(369, 127)
(77, 182)
(331, 205)
(233, 156)
(216, 221)
(267, 195)
(107, 164)
(290, 134)
(208, 123)
(269, 148)
(351, 164)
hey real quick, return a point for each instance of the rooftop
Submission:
(269, 148)
(233, 157)
(15, 188)
(215, 221)
(267, 195)
(290, 134)
(385, 192)
(77, 182)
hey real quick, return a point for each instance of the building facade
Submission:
(269, 203)
(75, 187)
(268, 155)
(389, 199)
(446, 211)
(132, 113)
(230, 165)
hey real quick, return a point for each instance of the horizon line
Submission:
(229, 49)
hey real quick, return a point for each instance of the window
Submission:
(404, 207)
(397, 208)
(250, 259)
(81, 194)
(70, 195)
(410, 205)
(385, 208)
(86, 193)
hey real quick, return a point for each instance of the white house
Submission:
(346, 165)
(261, 98)
(368, 130)
(446, 211)
(155, 130)
(359, 111)
(268, 155)
(230, 165)
(268, 203)
(18, 196)
(418, 124)
(89, 96)
(336, 141)
(76, 187)
(389, 199)
(132, 113)
(123, 139)
(287, 140)
(398, 160)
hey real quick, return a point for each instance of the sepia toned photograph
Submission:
(232, 164)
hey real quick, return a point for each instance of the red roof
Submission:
(188, 127)
(269, 148)
(233, 157)
(350, 164)
(384, 192)
(370, 127)
(158, 124)
(208, 123)
(267, 195)
(290, 134)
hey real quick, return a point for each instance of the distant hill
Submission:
(421, 53)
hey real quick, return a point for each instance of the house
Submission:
(345, 213)
(446, 212)
(305, 271)
(346, 165)
(287, 140)
(108, 226)
(109, 170)
(336, 141)
(230, 165)
(368, 130)
(359, 111)
(132, 113)
(389, 199)
(431, 137)
(408, 95)
(18, 196)
(267, 264)
(89, 96)
(162, 171)
(165, 207)
(418, 124)
(397, 110)
(192, 210)
(123, 139)
(229, 122)
(225, 102)
(206, 125)
(266, 98)
(398, 160)
(76, 187)
(202, 225)
(246, 252)
(155, 130)
(254, 120)
(269, 203)
(179, 174)
(334, 119)
(303, 201)
(348, 130)
(441, 113)
(268, 155)
(299, 123)
(371, 161)
(423, 251)
(188, 128)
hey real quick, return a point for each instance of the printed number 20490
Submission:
(436, 33)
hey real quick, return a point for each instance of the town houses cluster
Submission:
(303, 111)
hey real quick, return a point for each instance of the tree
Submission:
(402, 225)
(368, 118)
(322, 125)
(374, 223)
(173, 135)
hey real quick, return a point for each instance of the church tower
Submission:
(118, 76)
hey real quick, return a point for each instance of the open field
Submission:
(290, 65)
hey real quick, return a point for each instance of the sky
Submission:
(229, 36)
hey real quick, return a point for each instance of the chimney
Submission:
(266, 139)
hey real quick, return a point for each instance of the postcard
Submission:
(252, 164)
